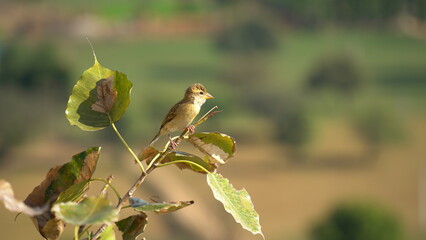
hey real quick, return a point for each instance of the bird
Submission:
(181, 115)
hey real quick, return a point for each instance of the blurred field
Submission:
(160, 67)
(288, 197)
(325, 100)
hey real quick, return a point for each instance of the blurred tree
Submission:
(358, 221)
(29, 76)
(417, 8)
(313, 13)
(248, 36)
(32, 68)
(376, 125)
(290, 115)
(18, 118)
(338, 72)
(366, 10)
(300, 12)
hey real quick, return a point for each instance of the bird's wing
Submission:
(171, 114)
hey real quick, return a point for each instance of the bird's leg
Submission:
(173, 144)
(191, 129)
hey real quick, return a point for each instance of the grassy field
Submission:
(392, 68)
(289, 197)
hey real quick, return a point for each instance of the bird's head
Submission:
(198, 93)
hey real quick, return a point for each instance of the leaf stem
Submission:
(183, 161)
(158, 158)
(109, 184)
(127, 146)
(82, 230)
(124, 199)
(76, 232)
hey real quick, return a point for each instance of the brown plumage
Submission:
(183, 113)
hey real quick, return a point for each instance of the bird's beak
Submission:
(208, 96)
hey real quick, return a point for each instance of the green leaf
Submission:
(89, 211)
(100, 97)
(108, 234)
(190, 158)
(237, 203)
(132, 226)
(59, 179)
(80, 168)
(74, 193)
(165, 207)
(218, 146)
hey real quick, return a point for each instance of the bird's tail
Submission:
(155, 139)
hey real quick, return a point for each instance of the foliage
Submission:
(247, 36)
(27, 72)
(377, 125)
(32, 68)
(339, 73)
(344, 11)
(98, 100)
(358, 221)
(59, 180)
(90, 210)
(236, 202)
(132, 226)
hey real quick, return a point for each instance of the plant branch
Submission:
(107, 184)
(157, 159)
(126, 197)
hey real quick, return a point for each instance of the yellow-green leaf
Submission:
(92, 210)
(189, 161)
(164, 207)
(100, 97)
(108, 234)
(236, 202)
(74, 193)
(218, 146)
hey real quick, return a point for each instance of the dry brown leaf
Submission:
(53, 229)
(147, 154)
(57, 180)
(106, 95)
(14, 205)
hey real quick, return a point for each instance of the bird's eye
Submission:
(201, 93)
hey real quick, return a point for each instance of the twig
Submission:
(105, 188)
(157, 159)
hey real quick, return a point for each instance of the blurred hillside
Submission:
(336, 89)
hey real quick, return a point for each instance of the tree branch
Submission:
(151, 167)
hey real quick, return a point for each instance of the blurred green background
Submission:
(325, 98)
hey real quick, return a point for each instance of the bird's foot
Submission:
(173, 144)
(191, 129)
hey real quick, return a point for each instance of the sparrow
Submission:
(183, 113)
